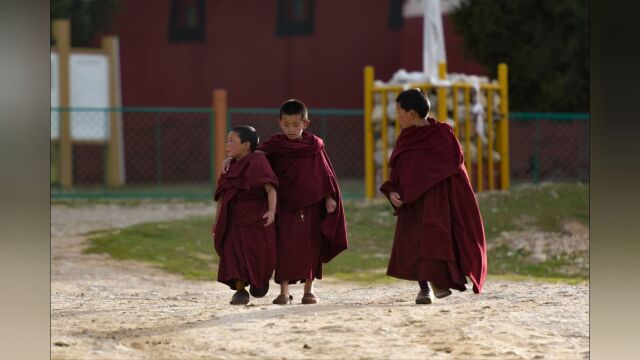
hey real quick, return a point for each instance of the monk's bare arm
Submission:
(272, 198)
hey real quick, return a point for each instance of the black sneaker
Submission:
(440, 292)
(241, 297)
(424, 297)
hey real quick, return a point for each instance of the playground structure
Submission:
(461, 101)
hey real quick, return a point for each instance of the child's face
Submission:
(235, 148)
(293, 125)
(405, 118)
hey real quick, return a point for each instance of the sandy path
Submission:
(107, 309)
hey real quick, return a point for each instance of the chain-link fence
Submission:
(163, 153)
(549, 147)
(168, 152)
(340, 129)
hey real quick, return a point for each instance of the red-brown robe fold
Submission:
(247, 248)
(439, 231)
(307, 235)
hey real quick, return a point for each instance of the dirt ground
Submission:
(107, 309)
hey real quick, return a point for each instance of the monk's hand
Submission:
(225, 165)
(395, 199)
(330, 204)
(269, 216)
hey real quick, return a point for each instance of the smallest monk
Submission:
(439, 237)
(244, 232)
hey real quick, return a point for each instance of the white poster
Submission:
(89, 87)
(55, 99)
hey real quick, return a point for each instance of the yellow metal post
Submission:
(504, 126)
(467, 130)
(384, 134)
(479, 157)
(62, 36)
(442, 93)
(220, 129)
(456, 121)
(490, 173)
(368, 133)
(397, 123)
(114, 176)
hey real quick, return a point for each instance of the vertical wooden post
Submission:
(114, 169)
(384, 134)
(490, 138)
(467, 131)
(369, 171)
(456, 120)
(503, 80)
(220, 129)
(62, 36)
(442, 93)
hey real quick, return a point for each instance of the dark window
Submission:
(396, 20)
(187, 20)
(295, 17)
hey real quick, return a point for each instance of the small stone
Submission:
(60, 343)
(306, 346)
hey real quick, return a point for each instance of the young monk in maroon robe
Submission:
(439, 236)
(244, 233)
(310, 223)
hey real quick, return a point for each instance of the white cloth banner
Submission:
(433, 50)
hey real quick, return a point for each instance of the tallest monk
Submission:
(439, 237)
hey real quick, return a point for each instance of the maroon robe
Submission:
(247, 248)
(307, 235)
(439, 232)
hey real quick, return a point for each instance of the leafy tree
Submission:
(88, 17)
(545, 43)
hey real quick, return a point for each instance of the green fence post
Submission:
(536, 154)
(323, 130)
(212, 136)
(105, 152)
(158, 142)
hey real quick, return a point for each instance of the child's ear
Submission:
(305, 123)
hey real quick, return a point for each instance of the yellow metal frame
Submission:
(490, 89)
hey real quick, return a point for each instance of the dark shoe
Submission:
(258, 292)
(424, 297)
(440, 292)
(241, 297)
(283, 300)
(309, 298)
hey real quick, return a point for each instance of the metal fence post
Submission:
(220, 128)
(505, 172)
(442, 93)
(158, 148)
(536, 152)
(323, 127)
(368, 133)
